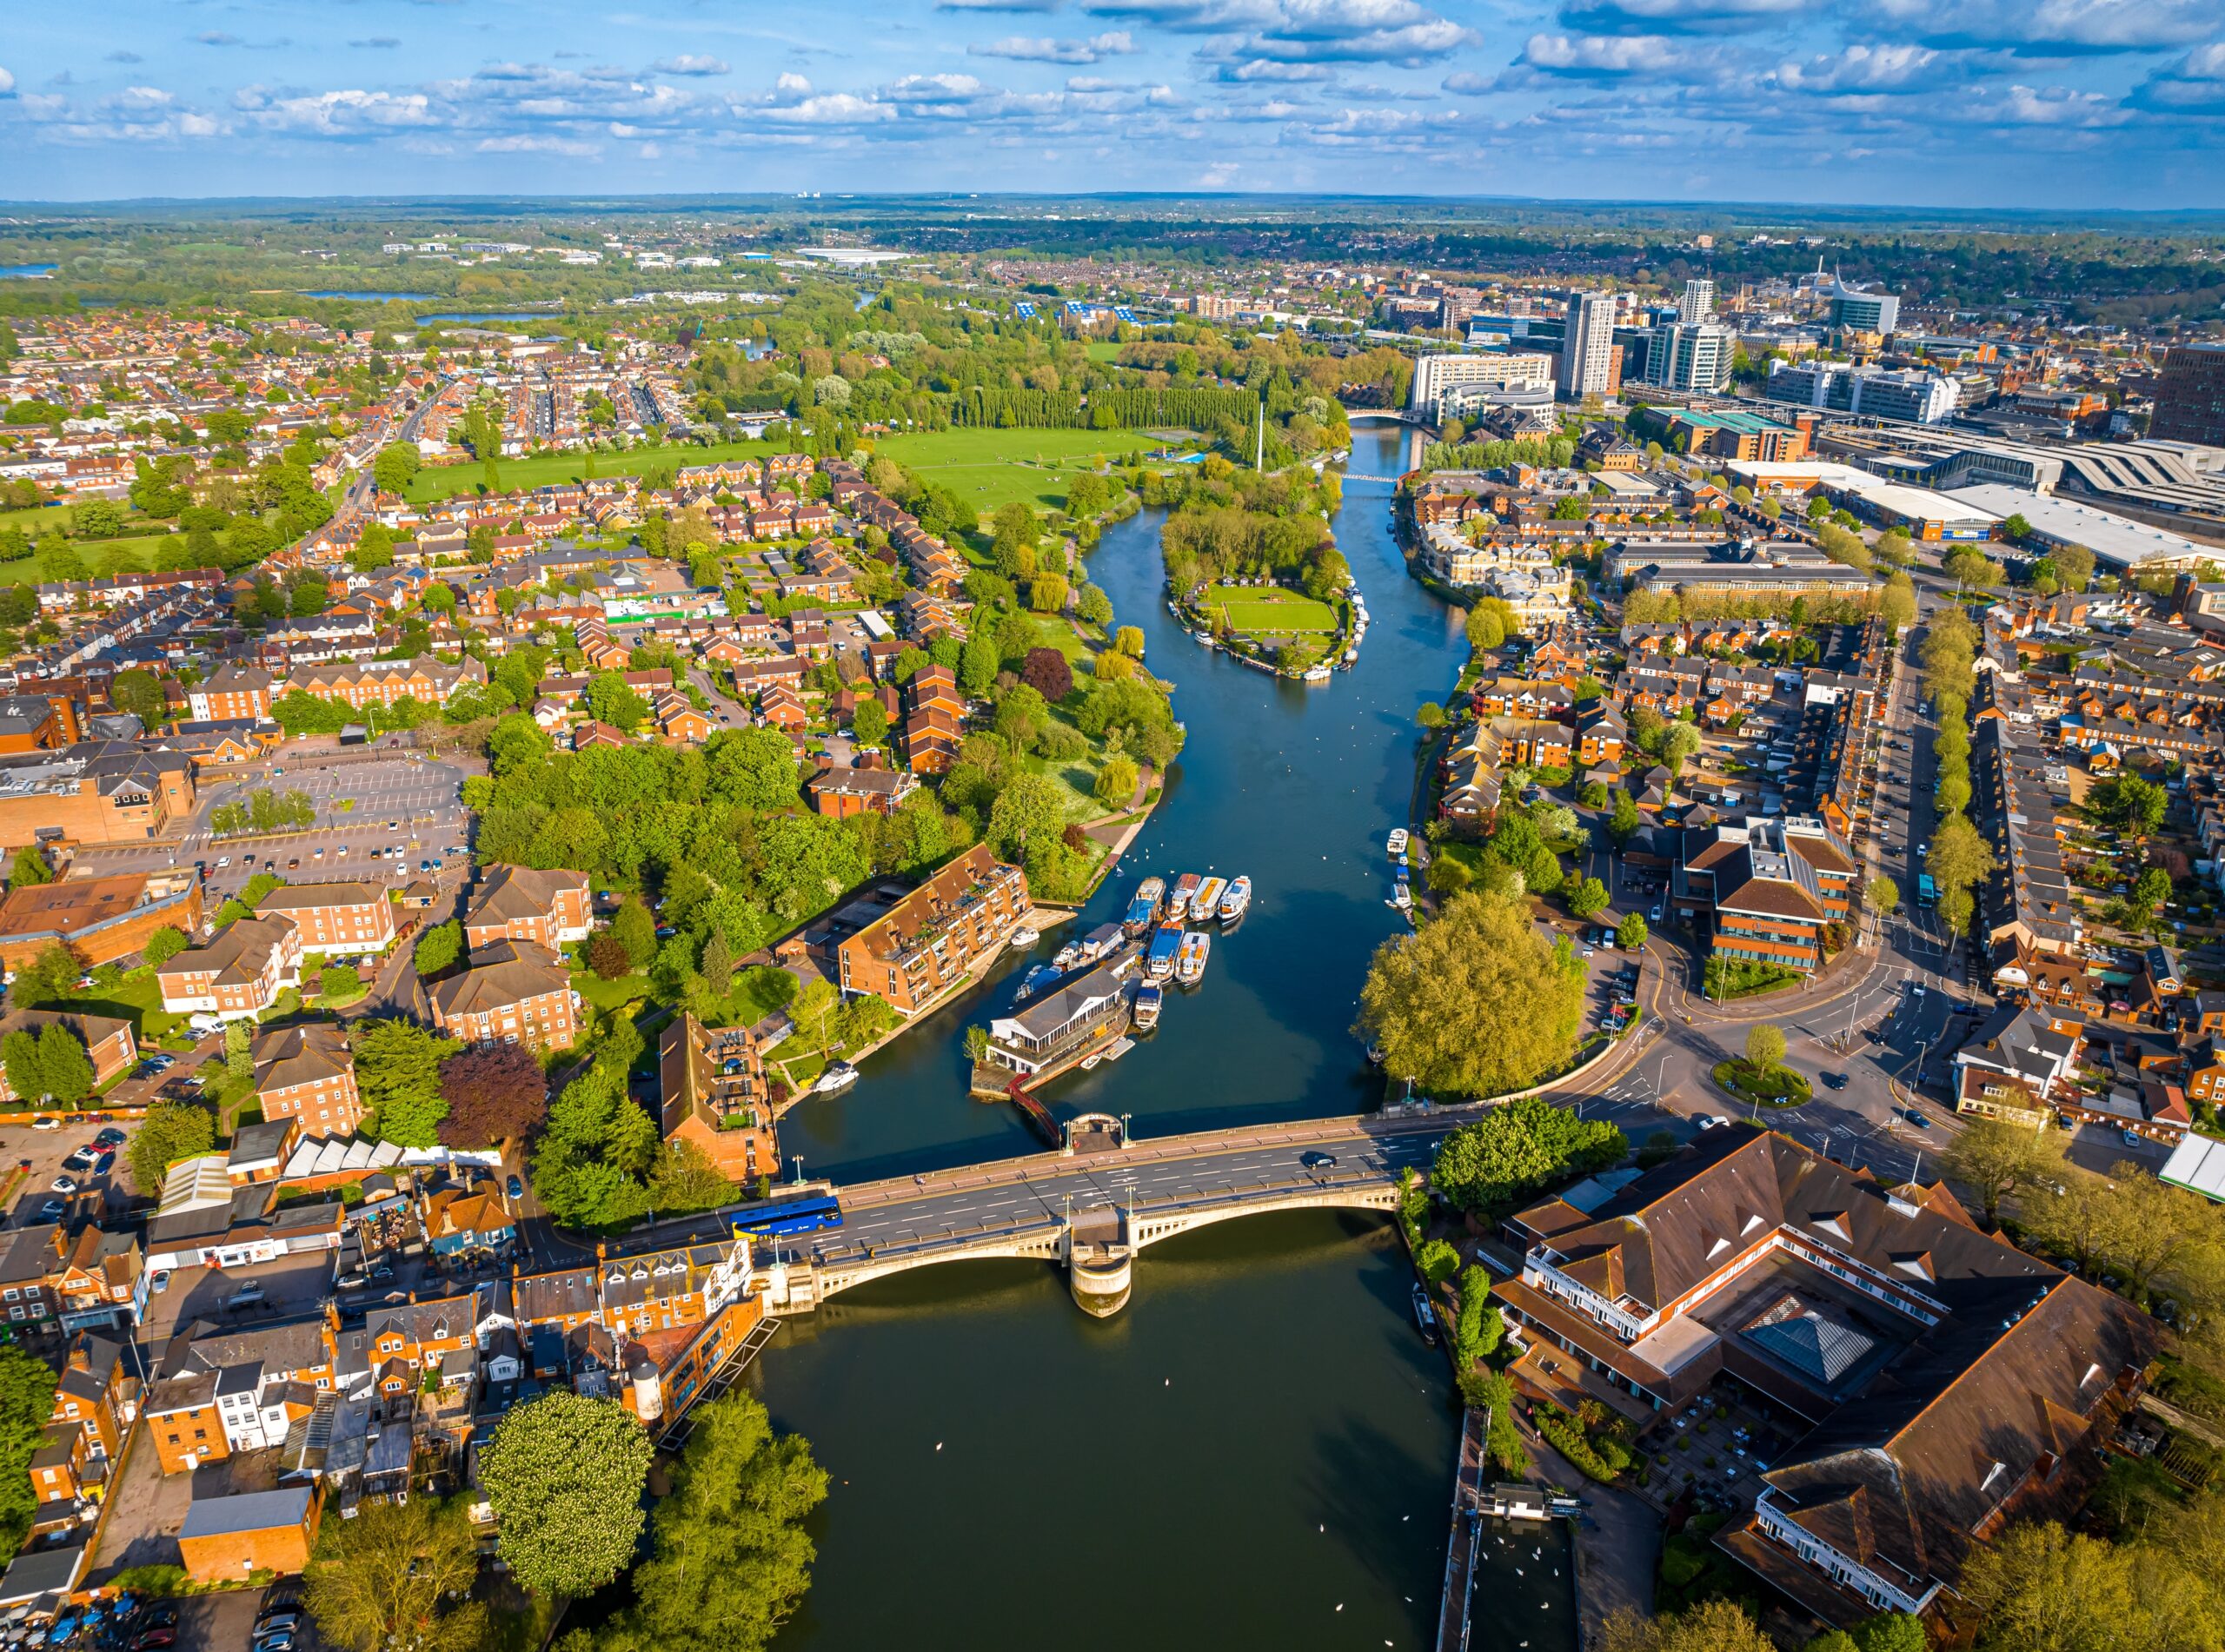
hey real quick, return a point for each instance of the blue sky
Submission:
(2064, 103)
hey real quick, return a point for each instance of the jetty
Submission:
(1467, 1531)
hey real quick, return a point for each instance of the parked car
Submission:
(63, 1185)
(52, 1210)
(47, 1123)
(79, 1162)
(112, 1137)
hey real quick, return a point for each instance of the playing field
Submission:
(1264, 611)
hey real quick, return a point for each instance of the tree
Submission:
(495, 1093)
(1093, 607)
(1046, 671)
(730, 1558)
(1029, 814)
(1486, 631)
(869, 722)
(239, 1051)
(1514, 1150)
(1631, 933)
(19, 1059)
(170, 1132)
(607, 957)
(1710, 1626)
(1678, 742)
(2135, 804)
(977, 667)
(164, 945)
(613, 701)
(65, 1068)
(2150, 889)
(1994, 1158)
(632, 928)
(438, 947)
(756, 767)
(48, 978)
(1116, 782)
(1475, 1003)
(1625, 822)
(1129, 640)
(397, 1578)
(26, 1407)
(1883, 896)
(564, 1474)
(1589, 899)
(395, 465)
(1765, 1049)
(2041, 1589)
(398, 1076)
(1960, 859)
(140, 692)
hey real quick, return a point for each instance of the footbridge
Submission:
(1095, 1204)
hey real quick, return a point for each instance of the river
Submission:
(1260, 1438)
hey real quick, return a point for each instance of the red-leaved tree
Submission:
(1046, 671)
(495, 1093)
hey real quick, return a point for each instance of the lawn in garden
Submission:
(1267, 610)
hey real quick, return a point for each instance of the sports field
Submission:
(1266, 611)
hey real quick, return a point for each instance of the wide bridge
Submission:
(1095, 1205)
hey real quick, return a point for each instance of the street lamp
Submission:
(798, 1162)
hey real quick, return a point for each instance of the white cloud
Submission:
(792, 85)
(1586, 56)
(528, 143)
(692, 64)
(7, 83)
(1866, 69)
(1259, 69)
(1043, 49)
(832, 108)
(351, 112)
(2194, 84)
(2049, 28)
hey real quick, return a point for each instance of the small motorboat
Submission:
(1397, 843)
(840, 1075)
(1024, 937)
(1424, 1316)
(1149, 998)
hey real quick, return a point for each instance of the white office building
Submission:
(1697, 303)
(1919, 398)
(1587, 346)
(1453, 386)
(1691, 356)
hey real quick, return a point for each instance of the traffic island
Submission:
(1780, 1087)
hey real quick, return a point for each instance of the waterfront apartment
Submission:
(930, 940)
(1950, 1382)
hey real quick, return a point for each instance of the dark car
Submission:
(1318, 1161)
(516, 1188)
(1836, 1080)
(109, 1137)
(154, 1640)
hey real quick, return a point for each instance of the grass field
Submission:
(985, 467)
(1264, 611)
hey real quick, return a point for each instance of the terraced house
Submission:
(1767, 889)
(363, 683)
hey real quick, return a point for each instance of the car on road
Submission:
(1706, 1121)
(1318, 1161)
(1660, 906)
(1835, 1080)
(1916, 1119)
(516, 1188)
(2133, 1139)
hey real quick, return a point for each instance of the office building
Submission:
(1585, 367)
(1691, 356)
(2190, 397)
(1697, 303)
(1918, 398)
(1858, 310)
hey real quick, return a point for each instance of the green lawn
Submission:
(994, 468)
(137, 998)
(1269, 611)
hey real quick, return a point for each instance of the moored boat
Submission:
(1143, 910)
(839, 1076)
(1148, 1000)
(1206, 901)
(1397, 843)
(1190, 962)
(1236, 901)
(1402, 897)
(1186, 891)
(1424, 1316)
(1023, 937)
(1165, 942)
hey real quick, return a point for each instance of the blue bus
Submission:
(805, 1215)
(1927, 892)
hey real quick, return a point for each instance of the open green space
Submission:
(1267, 610)
(989, 468)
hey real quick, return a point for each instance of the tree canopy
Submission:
(1514, 1150)
(395, 1578)
(1475, 1003)
(564, 1474)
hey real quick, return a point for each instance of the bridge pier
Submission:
(1101, 1277)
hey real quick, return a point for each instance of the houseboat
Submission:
(1143, 910)
(1236, 902)
(1397, 843)
(1424, 1316)
(1190, 962)
(1149, 997)
(1402, 897)
(1206, 901)
(1186, 891)
(1101, 943)
(1165, 942)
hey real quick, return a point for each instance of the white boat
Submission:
(1318, 674)
(1068, 957)
(839, 1076)
(1402, 897)
(1185, 889)
(1148, 1000)
(1190, 962)
(1206, 901)
(1237, 901)
(1397, 843)
(1024, 937)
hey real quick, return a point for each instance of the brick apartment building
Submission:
(308, 1073)
(334, 918)
(231, 692)
(927, 942)
(1767, 889)
(239, 972)
(551, 909)
(513, 991)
